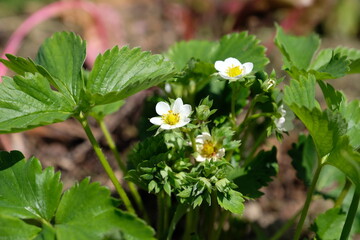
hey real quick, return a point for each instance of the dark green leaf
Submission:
(332, 97)
(86, 211)
(181, 52)
(27, 191)
(297, 51)
(256, 175)
(8, 159)
(328, 226)
(28, 102)
(244, 47)
(336, 67)
(119, 73)
(13, 228)
(304, 158)
(63, 56)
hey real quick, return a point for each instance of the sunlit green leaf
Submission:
(332, 97)
(27, 191)
(351, 112)
(63, 56)
(297, 51)
(328, 225)
(28, 102)
(119, 73)
(232, 201)
(13, 228)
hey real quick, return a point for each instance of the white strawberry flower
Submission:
(232, 69)
(284, 122)
(171, 117)
(207, 149)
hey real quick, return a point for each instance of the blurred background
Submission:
(155, 25)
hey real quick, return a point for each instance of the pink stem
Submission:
(47, 12)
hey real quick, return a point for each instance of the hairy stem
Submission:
(307, 202)
(179, 212)
(85, 124)
(350, 216)
(132, 187)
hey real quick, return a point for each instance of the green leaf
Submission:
(63, 56)
(297, 51)
(119, 73)
(256, 175)
(232, 201)
(332, 97)
(244, 47)
(304, 158)
(8, 159)
(337, 66)
(351, 112)
(328, 225)
(86, 211)
(181, 52)
(100, 111)
(346, 159)
(28, 102)
(13, 228)
(28, 192)
(20, 65)
(353, 55)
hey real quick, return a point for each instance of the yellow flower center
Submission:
(208, 149)
(171, 118)
(233, 71)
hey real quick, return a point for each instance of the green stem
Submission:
(286, 226)
(255, 146)
(179, 212)
(223, 216)
(234, 95)
(192, 139)
(210, 220)
(307, 202)
(343, 193)
(85, 124)
(132, 187)
(350, 216)
(160, 215)
(189, 227)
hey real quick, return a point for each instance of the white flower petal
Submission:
(185, 111)
(224, 75)
(220, 66)
(182, 123)
(162, 108)
(178, 104)
(220, 153)
(248, 67)
(200, 158)
(156, 120)
(167, 126)
(232, 62)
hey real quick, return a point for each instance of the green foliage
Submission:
(297, 51)
(85, 211)
(332, 97)
(330, 65)
(100, 111)
(119, 73)
(256, 175)
(351, 112)
(328, 225)
(232, 201)
(7, 159)
(244, 47)
(304, 158)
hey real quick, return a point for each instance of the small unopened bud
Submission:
(268, 84)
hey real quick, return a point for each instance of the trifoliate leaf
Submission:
(297, 51)
(28, 102)
(86, 211)
(328, 225)
(332, 97)
(232, 201)
(181, 52)
(13, 228)
(27, 191)
(256, 175)
(304, 158)
(22, 65)
(8, 159)
(63, 56)
(119, 73)
(244, 47)
(351, 112)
